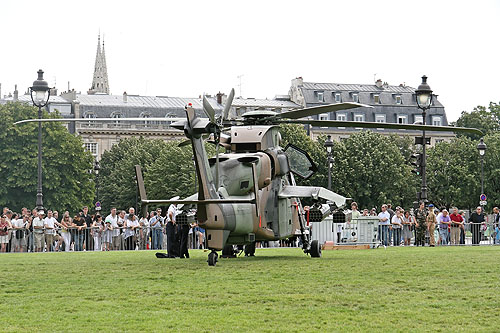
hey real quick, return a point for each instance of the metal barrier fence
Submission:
(93, 239)
(471, 234)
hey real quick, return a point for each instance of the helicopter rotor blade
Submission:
(301, 113)
(365, 124)
(208, 109)
(227, 107)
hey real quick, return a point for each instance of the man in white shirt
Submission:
(115, 233)
(156, 223)
(50, 224)
(38, 231)
(384, 220)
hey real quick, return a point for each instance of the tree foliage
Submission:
(371, 169)
(67, 181)
(367, 166)
(485, 119)
(168, 171)
(453, 174)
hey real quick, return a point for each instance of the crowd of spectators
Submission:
(37, 231)
(33, 231)
(429, 225)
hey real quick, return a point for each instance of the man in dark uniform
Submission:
(183, 232)
(421, 225)
(89, 246)
(476, 218)
(170, 230)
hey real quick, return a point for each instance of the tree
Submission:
(296, 134)
(453, 173)
(168, 171)
(485, 119)
(371, 169)
(491, 169)
(118, 187)
(67, 181)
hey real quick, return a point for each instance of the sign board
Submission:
(482, 197)
(483, 203)
(97, 205)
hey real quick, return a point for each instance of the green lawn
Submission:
(394, 289)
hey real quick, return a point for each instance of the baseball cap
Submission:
(431, 205)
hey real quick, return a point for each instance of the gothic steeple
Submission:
(100, 83)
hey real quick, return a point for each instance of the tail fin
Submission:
(142, 188)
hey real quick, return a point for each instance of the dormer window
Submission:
(355, 97)
(116, 115)
(436, 120)
(320, 96)
(341, 117)
(376, 99)
(398, 99)
(380, 118)
(337, 98)
(402, 119)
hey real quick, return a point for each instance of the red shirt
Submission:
(456, 218)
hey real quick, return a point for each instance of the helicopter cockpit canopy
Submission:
(300, 162)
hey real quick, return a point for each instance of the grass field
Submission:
(394, 289)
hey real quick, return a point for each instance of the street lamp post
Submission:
(481, 147)
(328, 145)
(423, 96)
(40, 93)
(97, 167)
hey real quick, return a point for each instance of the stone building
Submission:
(391, 104)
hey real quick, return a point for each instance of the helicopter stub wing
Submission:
(313, 192)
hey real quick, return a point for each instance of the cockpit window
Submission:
(300, 162)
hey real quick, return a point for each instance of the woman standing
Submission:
(97, 228)
(408, 221)
(5, 226)
(397, 226)
(65, 232)
(431, 225)
(144, 232)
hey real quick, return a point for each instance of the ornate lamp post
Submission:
(328, 145)
(40, 93)
(97, 167)
(481, 147)
(423, 96)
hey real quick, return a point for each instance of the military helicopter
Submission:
(249, 193)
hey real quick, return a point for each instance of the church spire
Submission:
(100, 83)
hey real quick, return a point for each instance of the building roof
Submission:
(264, 103)
(27, 99)
(358, 87)
(393, 102)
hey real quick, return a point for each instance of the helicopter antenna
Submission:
(239, 85)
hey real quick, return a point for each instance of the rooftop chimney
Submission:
(219, 97)
(16, 94)
(378, 83)
(124, 97)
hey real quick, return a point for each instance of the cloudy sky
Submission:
(186, 48)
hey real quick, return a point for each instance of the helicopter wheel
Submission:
(250, 250)
(315, 250)
(212, 258)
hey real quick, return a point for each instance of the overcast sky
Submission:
(186, 48)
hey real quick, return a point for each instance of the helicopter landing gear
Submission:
(228, 252)
(315, 250)
(250, 250)
(212, 258)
